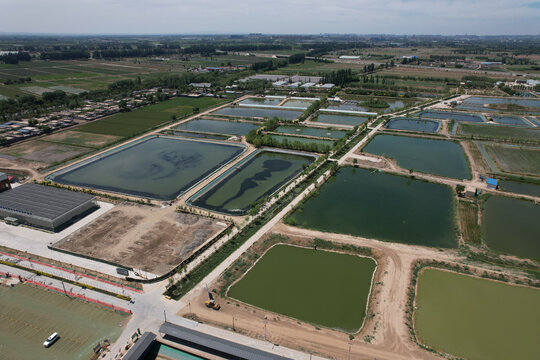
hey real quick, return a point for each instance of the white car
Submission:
(51, 339)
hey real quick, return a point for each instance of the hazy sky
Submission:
(482, 17)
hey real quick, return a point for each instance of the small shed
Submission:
(491, 183)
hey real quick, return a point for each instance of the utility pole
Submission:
(265, 329)
(164, 315)
(233, 323)
(349, 357)
(189, 304)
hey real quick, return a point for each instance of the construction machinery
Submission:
(211, 303)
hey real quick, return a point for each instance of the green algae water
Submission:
(261, 175)
(319, 287)
(438, 157)
(477, 319)
(157, 168)
(512, 226)
(381, 206)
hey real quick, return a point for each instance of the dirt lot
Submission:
(150, 239)
(44, 152)
(79, 138)
(384, 334)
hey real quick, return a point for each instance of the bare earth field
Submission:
(72, 137)
(150, 239)
(44, 152)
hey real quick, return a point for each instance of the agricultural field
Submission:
(290, 280)
(468, 218)
(141, 120)
(380, 206)
(477, 318)
(164, 237)
(511, 226)
(30, 314)
(498, 132)
(513, 159)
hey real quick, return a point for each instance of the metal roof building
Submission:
(45, 207)
(214, 345)
(141, 347)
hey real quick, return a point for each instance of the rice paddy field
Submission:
(439, 157)
(340, 119)
(511, 226)
(292, 281)
(499, 132)
(156, 167)
(477, 319)
(411, 124)
(514, 159)
(140, 120)
(29, 315)
(260, 175)
(381, 206)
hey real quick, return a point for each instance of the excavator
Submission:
(211, 303)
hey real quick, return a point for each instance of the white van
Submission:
(51, 339)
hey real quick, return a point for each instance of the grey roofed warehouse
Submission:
(45, 207)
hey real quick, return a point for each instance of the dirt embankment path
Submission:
(385, 334)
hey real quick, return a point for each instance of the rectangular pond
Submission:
(316, 286)
(346, 105)
(200, 135)
(298, 103)
(258, 113)
(340, 119)
(281, 139)
(447, 115)
(260, 101)
(512, 226)
(218, 127)
(519, 187)
(477, 318)
(156, 167)
(259, 175)
(439, 157)
(479, 103)
(412, 124)
(381, 206)
(309, 131)
(510, 120)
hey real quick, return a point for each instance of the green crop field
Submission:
(29, 315)
(141, 120)
(315, 286)
(519, 160)
(498, 132)
(477, 319)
